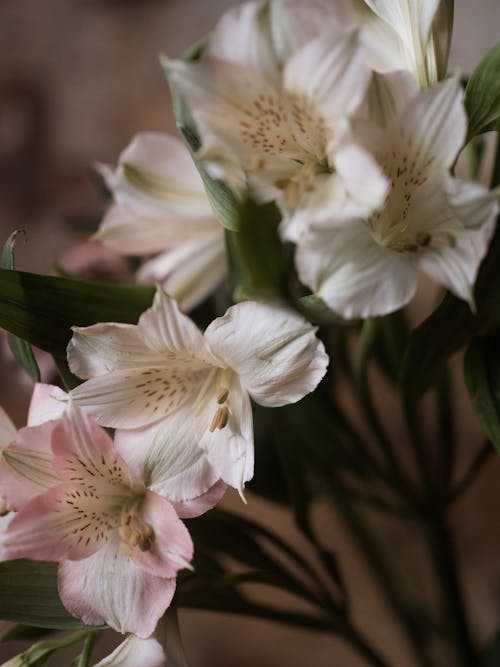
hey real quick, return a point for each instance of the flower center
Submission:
(216, 386)
(134, 532)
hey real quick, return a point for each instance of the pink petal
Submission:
(187, 509)
(171, 546)
(26, 468)
(64, 522)
(85, 455)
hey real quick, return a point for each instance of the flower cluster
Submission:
(338, 113)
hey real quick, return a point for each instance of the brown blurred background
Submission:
(77, 79)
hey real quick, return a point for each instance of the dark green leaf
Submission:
(42, 309)
(29, 596)
(482, 377)
(482, 95)
(20, 348)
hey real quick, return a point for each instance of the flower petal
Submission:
(331, 74)
(156, 171)
(432, 129)
(109, 588)
(191, 271)
(85, 455)
(7, 429)
(26, 468)
(46, 404)
(353, 274)
(135, 652)
(104, 348)
(167, 456)
(188, 509)
(167, 330)
(171, 545)
(61, 523)
(273, 349)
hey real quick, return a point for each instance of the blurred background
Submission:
(77, 79)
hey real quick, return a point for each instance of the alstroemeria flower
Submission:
(165, 369)
(430, 220)
(119, 544)
(135, 652)
(160, 206)
(287, 139)
(409, 34)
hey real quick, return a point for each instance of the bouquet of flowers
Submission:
(316, 177)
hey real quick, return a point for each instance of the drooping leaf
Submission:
(482, 377)
(482, 95)
(29, 596)
(20, 348)
(42, 309)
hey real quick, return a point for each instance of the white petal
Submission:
(7, 429)
(331, 74)
(388, 95)
(468, 220)
(158, 169)
(103, 348)
(409, 18)
(108, 588)
(167, 456)
(167, 330)
(131, 398)
(130, 230)
(293, 23)
(191, 271)
(353, 274)
(242, 36)
(433, 127)
(362, 177)
(230, 449)
(135, 652)
(273, 349)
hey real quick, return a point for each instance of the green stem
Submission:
(88, 647)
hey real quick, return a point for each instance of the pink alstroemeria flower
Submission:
(119, 544)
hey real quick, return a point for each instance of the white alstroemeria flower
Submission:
(160, 206)
(409, 34)
(135, 652)
(164, 369)
(430, 220)
(287, 139)
(119, 544)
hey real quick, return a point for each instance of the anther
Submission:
(220, 419)
(222, 395)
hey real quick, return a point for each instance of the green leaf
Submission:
(19, 632)
(482, 377)
(20, 349)
(482, 95)
(42, 309)
(29, 596)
